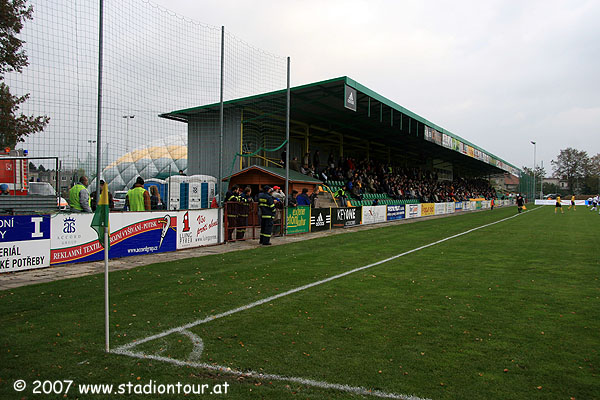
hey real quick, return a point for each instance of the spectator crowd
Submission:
(398, 183)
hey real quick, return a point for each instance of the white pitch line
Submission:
(198, 344)
(299, 289)
(272, 377)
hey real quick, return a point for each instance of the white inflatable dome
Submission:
(157, 160)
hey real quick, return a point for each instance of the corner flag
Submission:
(100, 221)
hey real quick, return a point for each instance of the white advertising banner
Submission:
(24, 242)
(374, 214)
(413, 210)
(198, 228)
(440, 208)
(562, 202)
(450, 208)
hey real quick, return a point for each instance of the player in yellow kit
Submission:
(572, 202)
(558, 206)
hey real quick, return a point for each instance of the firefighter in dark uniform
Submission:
(243, 211)
(231, 208)
(267, 213)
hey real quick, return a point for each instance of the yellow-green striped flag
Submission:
(100, 221)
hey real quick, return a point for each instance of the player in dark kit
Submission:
(520, 202)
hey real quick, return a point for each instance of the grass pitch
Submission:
(509, 311)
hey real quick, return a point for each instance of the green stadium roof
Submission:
(321, 104)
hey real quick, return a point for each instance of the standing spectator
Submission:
(245, 198)
(292, 199)
(267, 213)
(331, 160)
(306, 161)
(111, 202)
(316, 161)
(295, 164)
(232, 198)
(278, 194)
(138, 198)
(283, 157)
(79, 197)
(155, 201)
(303, 199)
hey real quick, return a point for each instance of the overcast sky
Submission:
(497, 73)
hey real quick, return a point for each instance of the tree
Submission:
(14, 126)
(571, 165)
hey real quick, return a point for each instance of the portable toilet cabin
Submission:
(175, 184)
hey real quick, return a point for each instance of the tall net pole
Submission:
(220, 178)
(287, 149)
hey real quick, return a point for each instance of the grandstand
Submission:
(375, 128)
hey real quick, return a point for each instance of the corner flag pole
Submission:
(106, 305)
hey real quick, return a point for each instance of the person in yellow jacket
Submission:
(138, 198)
(79, 197)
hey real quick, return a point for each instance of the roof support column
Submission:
(306, 141)
(341, 147)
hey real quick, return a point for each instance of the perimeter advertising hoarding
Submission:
(345, 217)
(458, 206)
(320, 219)
(198, 228)
(24, 242)
(427, 209)
(374, 214)
(413, 210)
(395, 212)
(449, 208)
(131, 234)
(298, 219)
(440, 208)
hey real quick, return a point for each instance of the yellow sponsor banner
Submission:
(470, 151)
(427, 209)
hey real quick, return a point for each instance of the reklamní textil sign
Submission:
(24, 242)
(298, 219)
(320, 219)
(345, 217)
(131, 234)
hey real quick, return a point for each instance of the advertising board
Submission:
(320, 219)
(373, 214)
(198, 228)
(413, 210)
(449, 208)
(131, 234)
(345, 217)
(395, 212)
(298, 219)
(24, 242)
(427, 209)
(440, 208)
